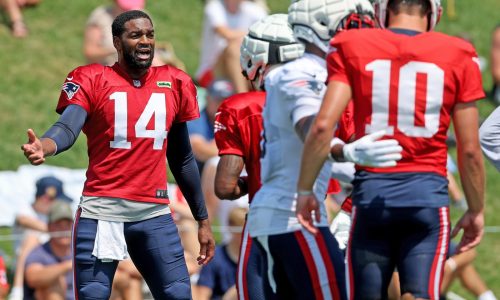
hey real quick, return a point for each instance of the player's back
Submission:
(238, 129)
(294, 90)
(407, 83)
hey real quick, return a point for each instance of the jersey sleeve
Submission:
(489, 135)
(76, 89)
(302, 93)
(227, 134)
(335, 63)
(470, 82)
(188, 101)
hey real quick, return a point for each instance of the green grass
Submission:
(32, 71)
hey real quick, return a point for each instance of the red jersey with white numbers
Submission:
(127, 125)
(407, 85)
(238, 130)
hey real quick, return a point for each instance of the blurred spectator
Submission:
(495, 63)
(127, 283)
(225, 24)
(165, 54)
(455, 193)
(4, 285)
(219, 277)
(17, 25)
(201, 130)
(48, 267)
(30, 225)
(98, 41)
(23, 3)
(461, 266)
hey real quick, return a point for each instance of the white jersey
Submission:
(489, 135)
(293, 91)
(216, 15)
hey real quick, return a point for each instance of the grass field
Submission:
(32, 71)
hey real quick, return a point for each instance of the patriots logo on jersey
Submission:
(70, 89)
(312, 85)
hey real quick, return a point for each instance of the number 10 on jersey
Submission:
(407, 97)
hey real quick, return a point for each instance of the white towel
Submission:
(110, 242)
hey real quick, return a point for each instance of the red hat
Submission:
(130, 4)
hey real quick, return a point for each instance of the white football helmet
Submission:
(317, 21)
(381, 12)
(269, 41)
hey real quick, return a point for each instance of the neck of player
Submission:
(407, 21)
(133, 72)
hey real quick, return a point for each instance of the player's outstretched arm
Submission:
(37, 149)
(58, 138)
(316, 149)
(471, 169)
(228, 184)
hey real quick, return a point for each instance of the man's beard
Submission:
(132, 62)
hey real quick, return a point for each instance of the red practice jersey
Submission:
(127, 125)
(238, 130)
(3, 275)
(407, 85)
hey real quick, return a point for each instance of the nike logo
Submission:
(217, 113)
(69, 78)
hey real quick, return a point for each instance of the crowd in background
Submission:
(43, 261)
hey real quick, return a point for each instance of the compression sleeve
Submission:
(185, 170)
(66, 130)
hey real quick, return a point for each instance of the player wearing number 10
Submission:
(126, 111)
(409, 81)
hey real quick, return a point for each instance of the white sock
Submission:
(487, 296)
(16, 293)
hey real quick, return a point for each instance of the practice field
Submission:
(32, 71)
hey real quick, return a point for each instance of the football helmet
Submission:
(317, 21)
(269, 41)
(380, 7)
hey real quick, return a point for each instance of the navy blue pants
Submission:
(300, 265)
(249, 280)
(155, 248)
(413, 239)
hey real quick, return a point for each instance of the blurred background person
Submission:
(201, 130)
(31, 225)
(219, 277)
(225, 24)
(48, 267)
(4, 283)
(98, 40)
(461, 266)
(13, 11)
(495, 63)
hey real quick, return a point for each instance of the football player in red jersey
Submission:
(126, 111)
(238, 129)
(409, 81)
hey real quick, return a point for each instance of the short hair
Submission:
(398, 6)
(118, 26)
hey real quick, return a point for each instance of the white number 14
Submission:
(406, 100)
(156, 106)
